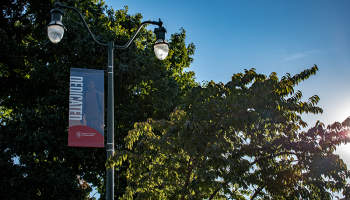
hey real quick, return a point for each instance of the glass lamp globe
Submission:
(55, 31)
(161, 49)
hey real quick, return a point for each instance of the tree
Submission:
(238, 140)
(35, 160)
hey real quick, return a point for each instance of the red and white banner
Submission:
(86, 108)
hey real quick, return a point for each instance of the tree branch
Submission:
(258, 191)
(267, 157)
(218, 189)
(188, 175)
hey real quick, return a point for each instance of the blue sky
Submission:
(270, 36)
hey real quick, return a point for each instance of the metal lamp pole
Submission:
(55, 31)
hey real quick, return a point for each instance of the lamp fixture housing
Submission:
(55, 29)
(161, 47)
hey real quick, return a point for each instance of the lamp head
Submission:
(161, 47)
(55, 29)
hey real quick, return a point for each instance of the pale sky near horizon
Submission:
(286, 36)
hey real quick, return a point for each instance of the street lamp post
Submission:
(55, 31)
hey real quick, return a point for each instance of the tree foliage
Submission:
(237, 140)
(35, 160)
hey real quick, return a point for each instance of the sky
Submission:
(286, 36)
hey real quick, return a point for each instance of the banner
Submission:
(86, 108)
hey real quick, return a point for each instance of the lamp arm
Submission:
(57, 4)
(159, 23)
